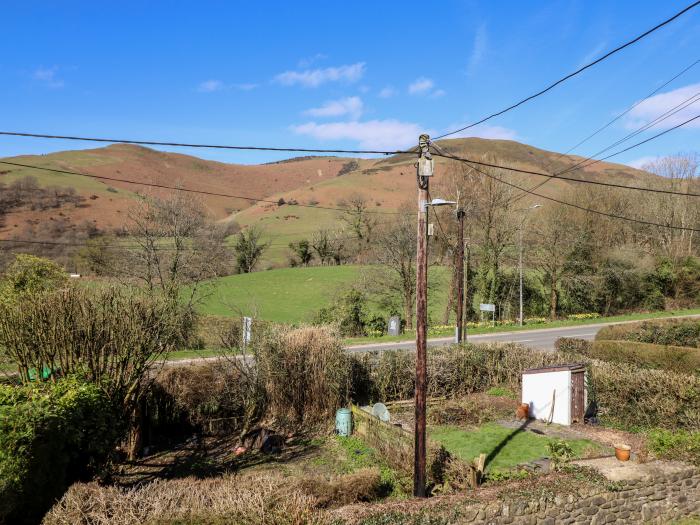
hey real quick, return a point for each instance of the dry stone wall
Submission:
(658, 500)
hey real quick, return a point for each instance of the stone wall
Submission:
(658, 500)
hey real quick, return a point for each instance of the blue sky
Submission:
(332, 74)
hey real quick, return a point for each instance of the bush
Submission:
(675, 358)
(29, 275)
(50, 435)
(678, 332)
(111, 336)
(678, 445)
(633, 397)
(572, 345)
(241, 499)
(305, 372)
(453, 371)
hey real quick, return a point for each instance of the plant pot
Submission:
(622, 452)
(523, 411)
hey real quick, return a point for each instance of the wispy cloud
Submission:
(48, 76)
(424, 86)
(380, 134)
(387, 92)
(316, 77)
(657, 105)
(351, 106)
(486, 131)
(642, 161)
(310, 61)
(478, 48)
(593, 54)
(209, 86)
(420, 86)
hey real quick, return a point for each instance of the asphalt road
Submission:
(541, 339)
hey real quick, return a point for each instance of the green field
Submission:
(293, 295)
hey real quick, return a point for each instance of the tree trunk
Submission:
(553, 300)
(408, 309)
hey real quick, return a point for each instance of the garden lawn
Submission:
(510, 446)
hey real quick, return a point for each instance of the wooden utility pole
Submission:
(425, 171)
(459, 330)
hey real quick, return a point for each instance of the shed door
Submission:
(577, 396)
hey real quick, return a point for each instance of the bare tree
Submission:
(395, 251)
(176, 245)
(359, 220)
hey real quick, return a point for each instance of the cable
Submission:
(583, 208)
(612, 121)
(618, 117)
(571, 179)
(205, 146)
(201, 192)
(578, 71)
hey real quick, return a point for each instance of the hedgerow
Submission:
(51, 434)
(677, 332)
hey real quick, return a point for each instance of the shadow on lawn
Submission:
(204, 458)
(497, 449)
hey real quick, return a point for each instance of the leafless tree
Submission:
(249, 248)
(359, 220)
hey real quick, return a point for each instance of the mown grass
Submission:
(505, 447)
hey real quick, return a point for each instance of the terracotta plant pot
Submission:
(523, 411)
(622, 452)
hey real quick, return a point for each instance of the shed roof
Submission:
(572, 367)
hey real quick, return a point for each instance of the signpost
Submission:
(247, 330)
(489, 307)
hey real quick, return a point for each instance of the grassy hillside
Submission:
(293, 295)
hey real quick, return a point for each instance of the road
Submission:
(541, 339)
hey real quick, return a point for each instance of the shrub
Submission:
(634, 397)
(29, 275)
(50, 435)
(305, 372)
(241, 499)
(675, 358)
(678, 332)
(675, 444)
(572, 345)
(111, 336)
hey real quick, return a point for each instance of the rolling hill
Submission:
(386, 183)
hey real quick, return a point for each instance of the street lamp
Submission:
(533, 207)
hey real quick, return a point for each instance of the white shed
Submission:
(556, 393)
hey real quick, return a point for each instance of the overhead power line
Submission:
(612, 121)
(550, 176)
(574, 73)
(204, 146)
(188, 190)
(583, 208)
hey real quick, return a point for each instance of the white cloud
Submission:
(420, 86)
(48, 76)
(387, 92)
(379, 134)
(485, 131)
(642, 161)
(316, 77)
(657, 105)
(351, 106)
(209, 86)
(438, 93)
(478, 48)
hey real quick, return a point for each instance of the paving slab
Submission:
(615, 470)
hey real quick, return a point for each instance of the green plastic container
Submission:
(343, 422)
